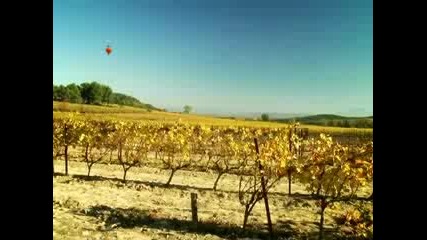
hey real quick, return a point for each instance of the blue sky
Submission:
(294, 56)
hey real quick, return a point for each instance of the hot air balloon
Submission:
(108, 50)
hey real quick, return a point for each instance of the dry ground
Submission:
(102, 207)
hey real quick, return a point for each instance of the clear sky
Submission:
(293, 56)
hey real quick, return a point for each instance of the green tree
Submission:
(73, 92)
(265, 117)
(61, 93)
(85, 91)
(363, 123)
(91, 93)
(346, 123)
(106, 93)
(187, 109)
(56, 96)
(122, 99)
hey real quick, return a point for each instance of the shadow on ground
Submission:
(137, 218)
(150, 219)
(119, 183)
(132, 218)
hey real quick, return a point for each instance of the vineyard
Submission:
(332, 174)
(62, 109)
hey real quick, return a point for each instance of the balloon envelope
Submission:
(108, 50)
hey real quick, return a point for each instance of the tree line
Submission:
(359, 123)
(344, 123)
(96, 94)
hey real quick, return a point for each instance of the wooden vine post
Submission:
(264, 191)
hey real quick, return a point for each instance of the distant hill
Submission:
(330, 120)
(274, 115)
(255, 115)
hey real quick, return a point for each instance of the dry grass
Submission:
(143, 208)
(112, 108)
